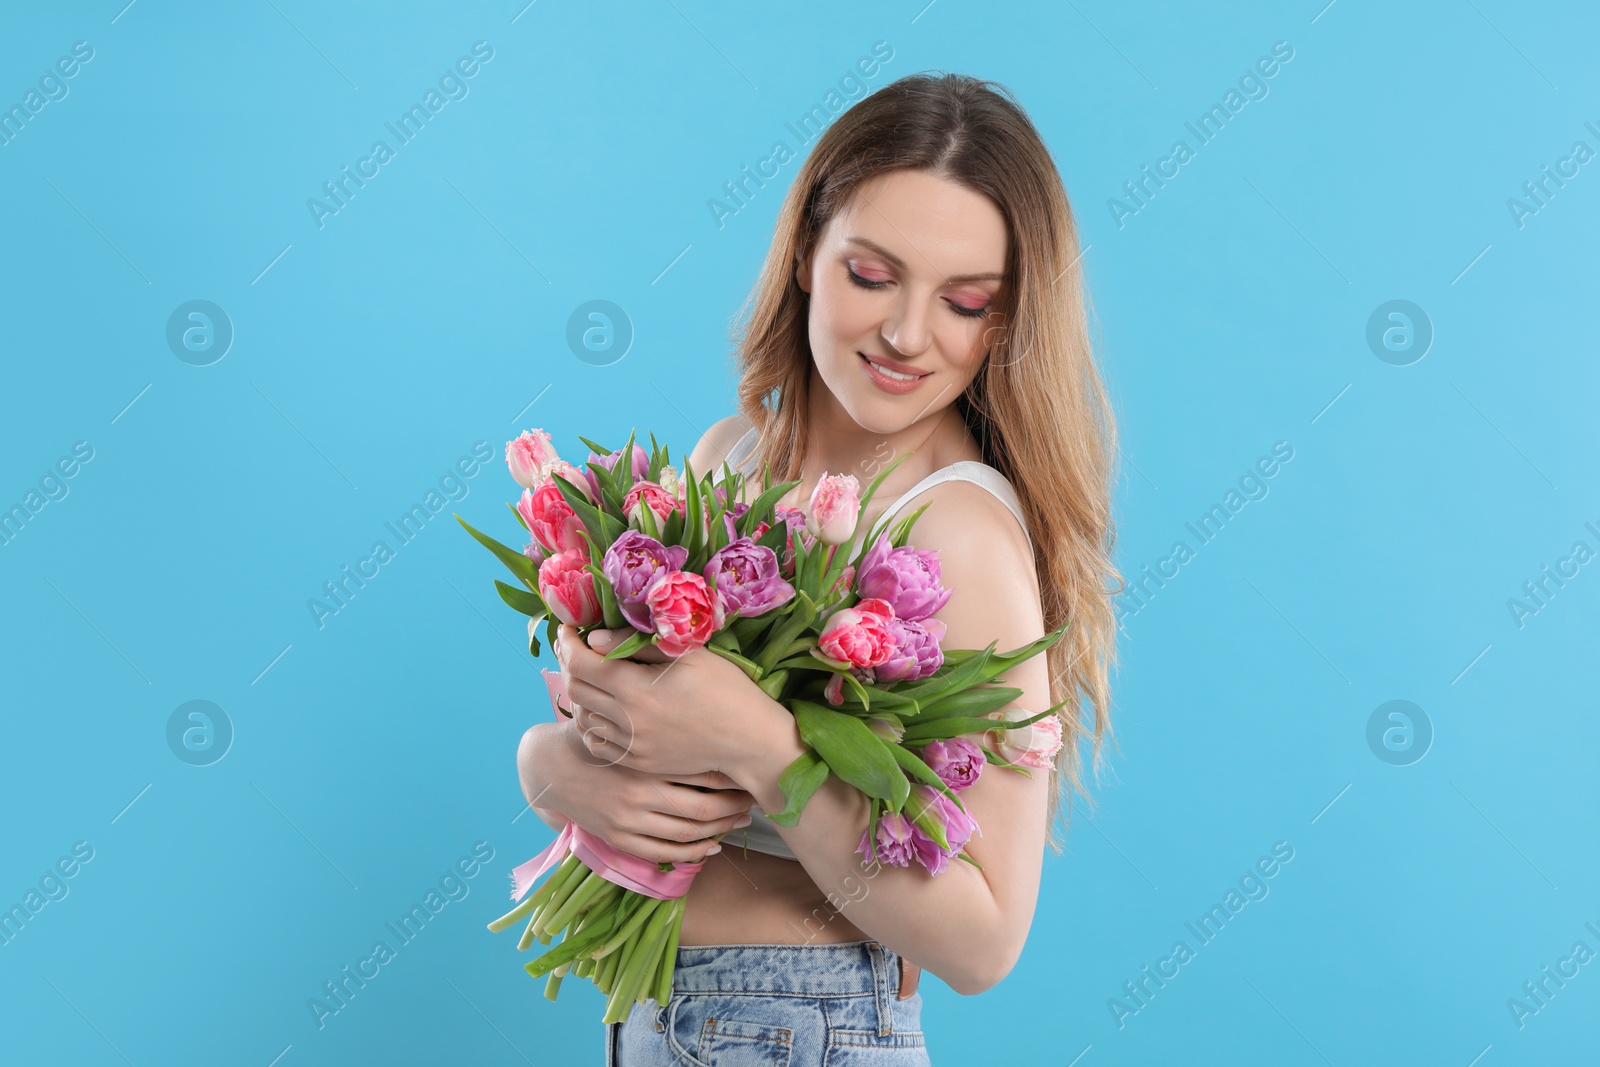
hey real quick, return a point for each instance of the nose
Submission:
(906, 329)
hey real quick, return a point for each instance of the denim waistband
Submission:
(852, 968)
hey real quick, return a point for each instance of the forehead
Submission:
(933, 225)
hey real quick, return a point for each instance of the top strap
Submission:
(965, 470)
(968, 470)
(743, 450)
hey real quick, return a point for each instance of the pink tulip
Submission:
(859, 636)
(527, 455)
(568, 588)
(653, 496)
(1030, 746)
(550, 519)
(577, 478)
(685, 613)
(835, 503)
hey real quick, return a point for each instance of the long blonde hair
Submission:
(1037, 408)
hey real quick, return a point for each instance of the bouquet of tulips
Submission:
(836, 627)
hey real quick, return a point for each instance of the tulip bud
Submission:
(835, 504)
(885, 727)
(670, 481)
(530, 451)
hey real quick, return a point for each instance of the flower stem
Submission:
(561, 883)
(627, 930)
(640, 967)
(529, 903)
(576, 901)
(669, 955)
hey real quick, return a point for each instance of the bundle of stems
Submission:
(624, 942)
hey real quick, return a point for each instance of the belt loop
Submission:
(881, 987)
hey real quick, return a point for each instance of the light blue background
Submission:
(373, 752)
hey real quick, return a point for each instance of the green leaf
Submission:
(533, 638)
(530, 604)
(919, 732)
(971, 703)
(853, 752)
(610, 613)
(966, 675)
(520, 520)
(800, 780)
(517, 563)
(693, 523)
(913, 765)
(599, 450)
(1000, 761)
(763, 509)
(772, 684)
(631, 644)
(752, 670)
(861, 540)
(802, 613)
(603, 527)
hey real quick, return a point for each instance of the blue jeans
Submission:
(783, 1005)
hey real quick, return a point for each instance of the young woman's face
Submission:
(902, 288)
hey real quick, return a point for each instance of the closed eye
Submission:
(964, 312)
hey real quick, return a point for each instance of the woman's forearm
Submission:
(955, 924)
(533, 766)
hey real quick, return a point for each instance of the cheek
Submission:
(965, 346)
(843, 314)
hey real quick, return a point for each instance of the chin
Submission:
(879, 415)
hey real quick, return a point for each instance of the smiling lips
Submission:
(894, 378)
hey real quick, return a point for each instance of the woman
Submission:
(922, 298)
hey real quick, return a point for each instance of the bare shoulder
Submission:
(715, 444)
(984, 559)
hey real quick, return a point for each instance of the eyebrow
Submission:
(901, 264)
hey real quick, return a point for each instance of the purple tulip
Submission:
(640, 467)
(732, 516)
(957, 761)
(631, 564)
(929, 807)
(916, 650)
(894, 843)
(906, 577)
(795, 520)
(747, 578)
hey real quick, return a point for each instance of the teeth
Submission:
(896, 375)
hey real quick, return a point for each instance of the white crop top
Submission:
(762, 833)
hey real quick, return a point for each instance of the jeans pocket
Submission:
(867, 1048)
(706, 1030)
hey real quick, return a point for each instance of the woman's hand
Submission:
(666, 716)
(661, 818)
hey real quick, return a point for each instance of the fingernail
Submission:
(713, 850)
(744, 820)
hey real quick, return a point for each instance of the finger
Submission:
(603, 641)
(688, 831)
(584, 662)
(695, 806)
(708, 780)
(592, 698)
(660, 850)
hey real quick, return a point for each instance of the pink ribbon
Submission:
(556, 682)
(614, 865)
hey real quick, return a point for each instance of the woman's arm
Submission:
(965, 925)
(662, 817)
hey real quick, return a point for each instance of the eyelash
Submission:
(966, 313)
